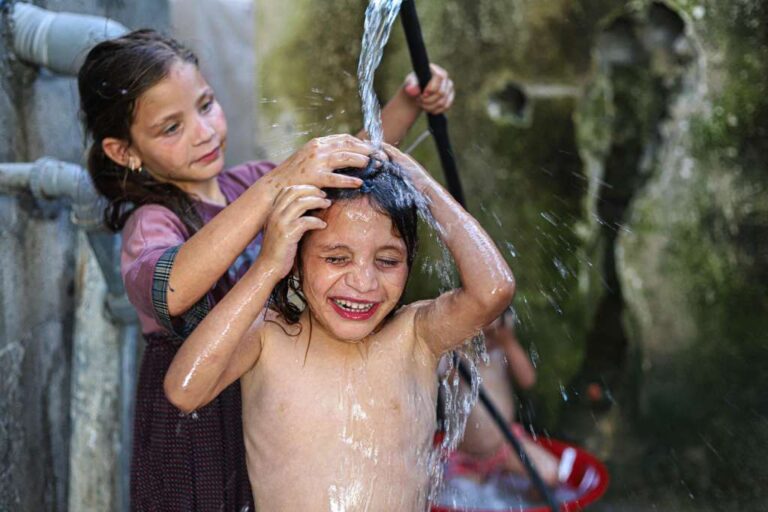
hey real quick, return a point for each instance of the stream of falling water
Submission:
(457, 399)
(379, 18)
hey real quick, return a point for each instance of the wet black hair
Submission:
(390, 193)
(114, 75)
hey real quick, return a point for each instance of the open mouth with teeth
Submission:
(354, 309)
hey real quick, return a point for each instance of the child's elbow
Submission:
(495, 299)
(503, 293)
(178, 396)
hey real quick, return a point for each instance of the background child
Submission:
(339, 398)
(484, 448)
(190, 230)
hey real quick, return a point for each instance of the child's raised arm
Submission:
(205, 257)
(402, 110)
(487, 282)
(227, 343)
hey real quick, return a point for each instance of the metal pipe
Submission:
(58, 41)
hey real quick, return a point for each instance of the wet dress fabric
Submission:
(181, 462)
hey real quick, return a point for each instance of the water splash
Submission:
(379, 17)
(458, 400)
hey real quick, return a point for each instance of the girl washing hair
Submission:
(190, 230)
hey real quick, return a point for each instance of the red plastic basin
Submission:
(588, 476)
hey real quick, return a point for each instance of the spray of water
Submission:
(379, 17)
(458, 399)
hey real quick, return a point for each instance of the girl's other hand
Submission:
(437, 97)
(413, 169)
(314, 163)
(287, 223)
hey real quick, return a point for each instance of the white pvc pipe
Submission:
(58, 40)
(14, 177)
(48, 179)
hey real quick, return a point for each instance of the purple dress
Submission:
(194, 462)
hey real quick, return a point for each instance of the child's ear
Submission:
(118, 151)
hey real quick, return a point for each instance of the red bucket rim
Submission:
(584, 460)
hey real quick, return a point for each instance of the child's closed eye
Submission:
(336, 260)
(388, 262)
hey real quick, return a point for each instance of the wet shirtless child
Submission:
(339, 396)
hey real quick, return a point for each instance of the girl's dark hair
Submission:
(389, 193)
(111, 80)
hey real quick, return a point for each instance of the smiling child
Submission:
(339, 391)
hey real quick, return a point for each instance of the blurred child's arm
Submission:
(207, 255)
(501, 334)
(228, 342)
(487, 282)
(400, 112)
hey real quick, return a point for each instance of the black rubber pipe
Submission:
(438, 125)
(498, 418)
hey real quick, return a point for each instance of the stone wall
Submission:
(52, 296)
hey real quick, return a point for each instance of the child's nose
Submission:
(362, 278)
(204, 131)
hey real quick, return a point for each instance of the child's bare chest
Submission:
(363, 414)
(365, 397)
(348, 387)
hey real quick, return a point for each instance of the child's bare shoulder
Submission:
(265, 333)
(271, 324)
(404, 321)
(407, 313)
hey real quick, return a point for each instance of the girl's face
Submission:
(353, 271)
(179, 129)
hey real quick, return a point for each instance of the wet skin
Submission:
(338, 411)
(345, 409)
(353, 271)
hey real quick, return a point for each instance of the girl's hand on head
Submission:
(413, 169)
(314, 163)
(287, 223)
(438, 96)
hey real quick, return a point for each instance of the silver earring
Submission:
(132, 166)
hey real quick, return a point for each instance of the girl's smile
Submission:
(352, 309)
(353, 271)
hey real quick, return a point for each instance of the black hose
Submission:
(438, 125)
(498, 418)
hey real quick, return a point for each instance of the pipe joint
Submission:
(58, 40)
(51, 179)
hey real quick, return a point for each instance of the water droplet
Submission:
(561, 268)
(549, 218)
